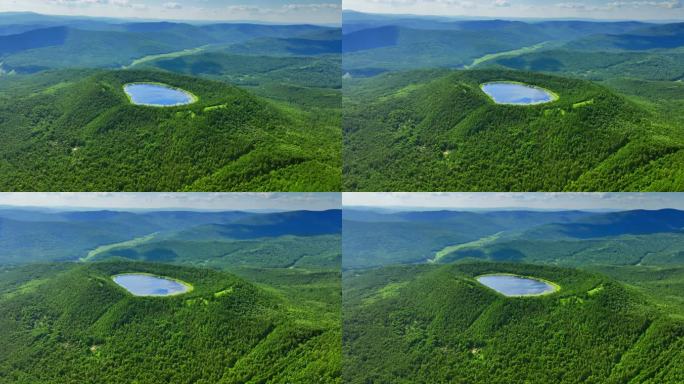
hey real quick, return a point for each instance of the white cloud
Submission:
(502, 3)
(172, 5)
(614, 5)
(583, 7)
(393, 3)
(570, 5)
(671, 4)
(311, 7)
(287, 8)
(72, 3)
(121, 3)
(87, 3)
(243, 9)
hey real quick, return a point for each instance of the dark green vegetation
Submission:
(443, 326)
(265, 305)
(265, 120)
(76, 324)
(618, 317)
(615, 127)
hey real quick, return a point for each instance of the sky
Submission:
(545, 201)
(272, 11)
(322, 201)
(564, 9)
(189, 201)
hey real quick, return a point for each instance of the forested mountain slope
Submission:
(264, 304)
(410, 114)
(65, 122)
(437, 130)
(84, 134)
(74, 324)
(444, 326)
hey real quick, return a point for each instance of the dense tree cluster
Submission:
(444, 133)
(432, 324)
(74, 324)
(85, 135)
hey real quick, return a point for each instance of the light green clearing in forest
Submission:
(515, 52)
(473, 244)
(169, 55)
(128, 243)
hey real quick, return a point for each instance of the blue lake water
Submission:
(146, 285)
(157, 95)
(515, 285)
(519, 94)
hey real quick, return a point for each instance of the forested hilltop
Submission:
(425, 123)
(84, 134)
(616, 315)
(264, 303)
(266, 112)
(446, 327)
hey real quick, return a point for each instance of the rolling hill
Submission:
(29, 236)
(444, 326)
(568, 238)
(386, 48)
(647, 53)
(311, 82)
(646, 38)
(415, 311)
(302, 240)
(436, 130)
(413, 109)
(620, 238)
(117, 44)
(662, 65)
(267, 117)
(74, 322)
(375, 44)
(376, 239)
(264, 304)
(83, 134)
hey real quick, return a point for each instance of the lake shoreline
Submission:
(192, 98)
(555, 287)
(188, 287)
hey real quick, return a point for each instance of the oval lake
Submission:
(517, 94)
(157, 95)
(140, 284)
(510, 285)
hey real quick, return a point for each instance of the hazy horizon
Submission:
(260, 11)
(450, 18)
(211, 201)
(511, 201)
(637, 10)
